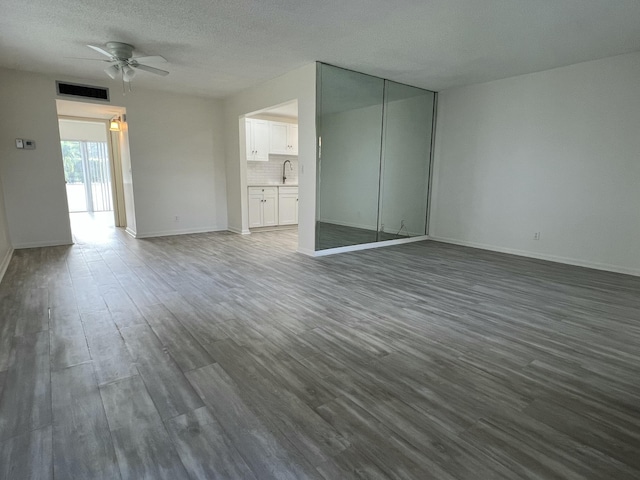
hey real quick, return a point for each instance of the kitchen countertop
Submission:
(272, 185)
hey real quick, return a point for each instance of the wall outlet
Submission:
(382, 228)
(536, 236)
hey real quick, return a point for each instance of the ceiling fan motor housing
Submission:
(120, 50)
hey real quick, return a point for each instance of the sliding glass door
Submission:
(88, 176)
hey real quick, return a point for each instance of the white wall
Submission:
(33, 180)
(555, 152)
(177, 161)
(5, 242)
(298, 84)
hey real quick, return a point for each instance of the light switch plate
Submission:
(19, 143)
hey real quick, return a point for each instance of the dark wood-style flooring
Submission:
(226, 356)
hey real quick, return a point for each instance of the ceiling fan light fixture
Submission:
(112, 71)
(128, 73)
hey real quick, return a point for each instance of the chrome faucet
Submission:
(284, 177)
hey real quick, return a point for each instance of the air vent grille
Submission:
(85, 91)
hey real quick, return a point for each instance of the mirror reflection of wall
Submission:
(373, 165)
(408, 114)
(350, 124)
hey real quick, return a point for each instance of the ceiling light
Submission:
(128, 73)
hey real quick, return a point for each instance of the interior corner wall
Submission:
(177, 160)
(298, 84)
(32, 180)
(554, 152)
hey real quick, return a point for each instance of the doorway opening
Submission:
(88, 172)
(270, 157)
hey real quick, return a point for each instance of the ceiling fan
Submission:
(124, 64)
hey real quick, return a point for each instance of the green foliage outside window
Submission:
(72, 157)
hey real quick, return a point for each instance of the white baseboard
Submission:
(184, 231)
(239, 231)
(306, 251)
(541, 256)
(366, 246)
(42, 244)
(5, 263)
(130, 232)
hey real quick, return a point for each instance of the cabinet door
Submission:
(278, 138)
(249, 138)
(293, 139)
(261, 140)
(270, 210)
(287, 209)
(255, 210)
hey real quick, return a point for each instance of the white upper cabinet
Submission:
(257, 140)
(283, 138)
(293, 138)
(278, 141)
(264, 138)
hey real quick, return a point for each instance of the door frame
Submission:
(115, 167)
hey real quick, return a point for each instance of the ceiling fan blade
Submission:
(150, 59)
(149, 69)
(100, 50)
(93, 59)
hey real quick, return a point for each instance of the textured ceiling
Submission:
(221, 47)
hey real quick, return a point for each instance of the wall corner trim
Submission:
(239, 231)
(541, 256)
(184, 231)
(5, 263)
(41, 244)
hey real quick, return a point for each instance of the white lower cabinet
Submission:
(287, 205)
(270, 206)
(263, 206)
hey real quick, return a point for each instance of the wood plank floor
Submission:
(226, 356)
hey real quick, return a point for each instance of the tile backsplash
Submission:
(260, 173)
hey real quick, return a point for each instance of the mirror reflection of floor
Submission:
(330, 235)
(96, 227)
